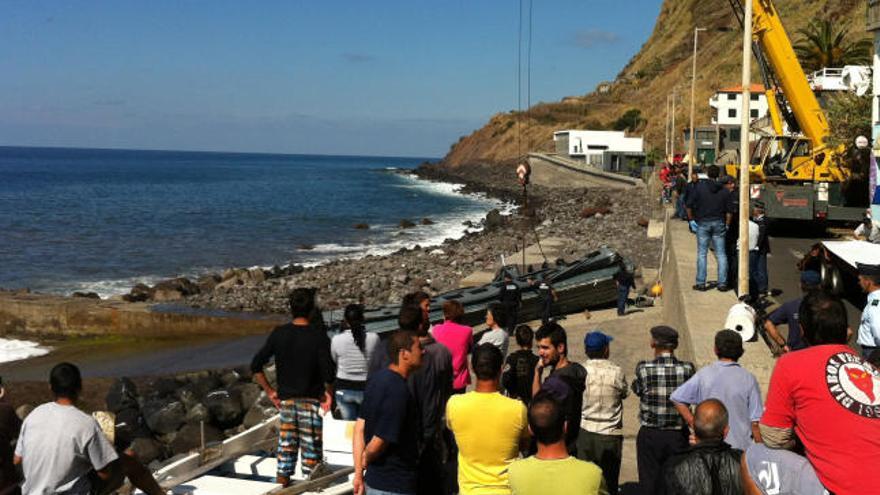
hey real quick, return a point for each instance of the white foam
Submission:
(15, 350)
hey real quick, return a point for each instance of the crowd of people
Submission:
(442, 410)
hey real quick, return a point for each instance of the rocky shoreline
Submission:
(587, 218)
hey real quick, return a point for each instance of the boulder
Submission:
(257, 414)
(198, 413)
(225, 408)
(249, 393)
(181, 285)
(123, 394)
(187, 396)
(163, 416)
(190, 437)
(207, 283)
(86, 295)
(139, 293)
(146, 450)
(406, 224)
(256, 275)
(203, 383)
(164, 387)
(494, 220)
(227, 274)
(361, 226)
(643, 222)
(228, 378)
(427, 221)
(305, 247)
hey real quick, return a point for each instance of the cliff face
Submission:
(663, 63)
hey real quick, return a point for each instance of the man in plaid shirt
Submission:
(663, 432)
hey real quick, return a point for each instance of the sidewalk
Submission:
(699, 315)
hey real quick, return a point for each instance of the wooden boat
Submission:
(583, 284)
(245, 464)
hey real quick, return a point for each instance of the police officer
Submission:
(869, 328)
(548, 295)
(510, 298)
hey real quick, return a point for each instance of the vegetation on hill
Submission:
(636, 100)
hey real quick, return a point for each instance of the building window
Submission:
(755, 96)
(754, 113)
(731, 96)
(731, 112)
(596, 147)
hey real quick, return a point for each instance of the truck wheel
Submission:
(825, 275)
(836, 282)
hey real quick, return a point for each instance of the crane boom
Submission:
(776, 46)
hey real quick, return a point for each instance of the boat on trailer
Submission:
(583, 284)
(245, 464)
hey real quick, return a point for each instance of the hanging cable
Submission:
(529, 83)
(519, 83)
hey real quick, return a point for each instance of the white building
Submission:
(592, 146)
(727, 103)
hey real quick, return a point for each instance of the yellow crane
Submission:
(801, 153)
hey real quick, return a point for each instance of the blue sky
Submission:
(389, 77)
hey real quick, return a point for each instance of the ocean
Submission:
(104, 220)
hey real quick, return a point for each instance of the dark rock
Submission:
(406, 224)
(123, 394)
(257, 414)
(643, 222)
(197, 413)
(146, 450)
(225, 408)
(229, 378)
(174, 289)
(164, 387)
(427, 221)
(361, 226)
(190, 437)
(163, 416)
(86, 295)
(207, 283)
(249, 393)
(187, 396)
(139, 293)
(494, 220)
(202, 384)
(305, 247)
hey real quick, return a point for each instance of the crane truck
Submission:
(794, 172)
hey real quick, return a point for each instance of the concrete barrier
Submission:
(552, 170)
(40, 315)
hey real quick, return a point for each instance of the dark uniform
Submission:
(547, 295)
(510, 298)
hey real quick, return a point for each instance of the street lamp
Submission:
(692, 148)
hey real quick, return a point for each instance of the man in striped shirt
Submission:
(663, 432)
(601, 436)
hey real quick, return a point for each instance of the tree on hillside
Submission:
(630, 121)
(849, 116)
(825, 44)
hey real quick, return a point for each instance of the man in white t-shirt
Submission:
(868, 230)
(63, 450)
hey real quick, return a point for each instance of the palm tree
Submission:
(822, 46)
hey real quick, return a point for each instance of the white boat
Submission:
(245, 464)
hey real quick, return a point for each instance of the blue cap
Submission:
(811, 278)
(596, 341)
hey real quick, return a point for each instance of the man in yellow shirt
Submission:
(552, 466)
(490, 429)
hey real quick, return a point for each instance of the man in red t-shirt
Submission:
(830, 398)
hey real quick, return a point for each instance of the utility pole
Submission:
(672, 129)
(745, 159)
(666, 127)
(692, 148)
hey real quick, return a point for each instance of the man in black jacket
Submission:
(711, 467)
(759, 283)
(710, 207)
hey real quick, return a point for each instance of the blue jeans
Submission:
(711, 231)
(758, 279)
(349, 403)
(622, 295)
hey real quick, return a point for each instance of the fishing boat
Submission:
(583, 284)
(245, 464)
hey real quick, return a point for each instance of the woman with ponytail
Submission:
(351, 351)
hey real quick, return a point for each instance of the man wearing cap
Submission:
(663, 432)
(787, 314)
(759, 248)
(869, 328)
(730, 383)
(601, 436)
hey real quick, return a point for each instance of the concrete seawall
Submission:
(41, 315)
(552, 170)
